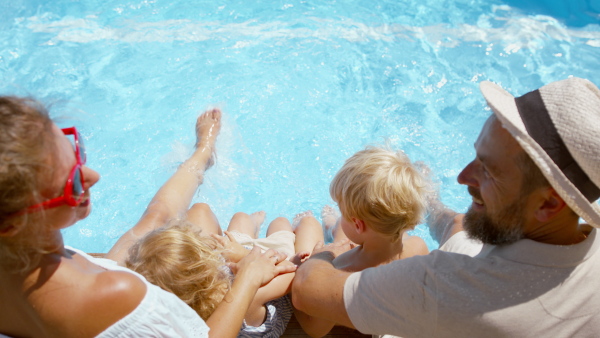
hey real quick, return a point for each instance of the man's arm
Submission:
(443, 222)
(318, 289)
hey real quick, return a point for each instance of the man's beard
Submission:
(502, 228)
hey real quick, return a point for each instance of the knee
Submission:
(279, 224)
(309, 221)
(200, 208)
(240, 216)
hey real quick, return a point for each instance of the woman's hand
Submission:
(259, 267)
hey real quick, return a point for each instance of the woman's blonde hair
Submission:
(180, 260)
(26, 147)
(382, 188)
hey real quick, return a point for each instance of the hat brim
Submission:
(504, 107)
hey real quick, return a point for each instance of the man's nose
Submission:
(467, 175)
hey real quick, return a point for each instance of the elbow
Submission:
(296, 293)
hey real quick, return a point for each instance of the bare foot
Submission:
(329, 217)
(299, 217)
(258, 218)
(208, 126)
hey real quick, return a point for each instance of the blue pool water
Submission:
(303, 84)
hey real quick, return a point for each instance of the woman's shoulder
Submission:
(103, 297)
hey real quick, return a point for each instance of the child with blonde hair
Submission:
(381, 194)
(189, 257)
(182, 250)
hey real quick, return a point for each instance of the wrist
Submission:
(327, 256)
(246, 278)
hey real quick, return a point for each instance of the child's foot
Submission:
(329, 217)
(258, 218)
(208, 126)
(299, 217)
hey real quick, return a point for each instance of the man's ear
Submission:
(359, 225)
(551, 205)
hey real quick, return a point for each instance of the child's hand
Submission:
(234, 251)
(300, 257)
(331, 251)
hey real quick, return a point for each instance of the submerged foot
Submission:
(299, 217)
(329, 217)
(258, 218)
(208, 126)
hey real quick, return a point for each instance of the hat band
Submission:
(540, 127)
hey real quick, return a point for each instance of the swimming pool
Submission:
(303, 84)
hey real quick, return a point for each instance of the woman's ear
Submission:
(551, 205)
(8, 230)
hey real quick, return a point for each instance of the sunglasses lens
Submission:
(82, 152)
(77, 183)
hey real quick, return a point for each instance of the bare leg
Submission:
(247, 224)
(443, 222)
(172, 200)
(308, 232)
(279, 224)
(331, 223)
(203, 218)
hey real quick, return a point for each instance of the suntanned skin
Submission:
(370, 249)
(66, 295)
(173, 199)
(34, 302)
(496, 179)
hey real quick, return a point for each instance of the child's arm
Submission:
(174, 197)
(253, 271)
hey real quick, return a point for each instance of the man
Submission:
(537, 171)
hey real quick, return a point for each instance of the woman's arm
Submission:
(174, 197)
(252, 271)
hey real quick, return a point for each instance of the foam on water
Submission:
(303, 84)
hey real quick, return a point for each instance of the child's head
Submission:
(383, 189)
(182, 261)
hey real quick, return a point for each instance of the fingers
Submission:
(219, 239)
(285, 268)
(230, 236)
(318, 246)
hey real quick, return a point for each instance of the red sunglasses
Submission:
(73, 194)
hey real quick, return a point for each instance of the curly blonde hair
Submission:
(383, 188)
(180, 260)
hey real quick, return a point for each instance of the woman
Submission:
(48, 290)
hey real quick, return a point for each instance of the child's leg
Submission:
(203, 218)
(247, 224)
(308, 232)
(174, 197)
(279, 224)
(331, 223)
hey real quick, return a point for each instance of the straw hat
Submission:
(558, 125)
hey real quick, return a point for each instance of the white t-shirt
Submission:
(160, 314)
(519, 290)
